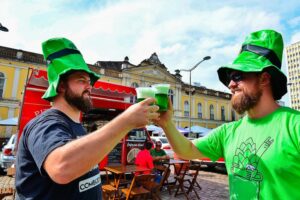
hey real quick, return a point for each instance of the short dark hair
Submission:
(148, 145)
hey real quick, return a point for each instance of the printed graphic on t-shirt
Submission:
(89, 183)
(246, 175)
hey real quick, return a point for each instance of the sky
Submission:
(181, 32)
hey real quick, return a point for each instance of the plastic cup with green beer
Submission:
(161, 95)
(144, 92)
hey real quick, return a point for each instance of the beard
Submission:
(245, 101)
(80, 102)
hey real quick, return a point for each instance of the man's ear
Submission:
(61, 87)
(265, 79)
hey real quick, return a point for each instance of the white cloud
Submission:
(295, 37)
(181, 33)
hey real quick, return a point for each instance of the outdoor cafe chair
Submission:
(108, 191)
(136, 188)
(191, 178)
(180, 179)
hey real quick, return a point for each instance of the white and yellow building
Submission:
(293, 63)
(210, 108)
(14, 66)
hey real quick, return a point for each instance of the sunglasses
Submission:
(239, 76)
(236, 77)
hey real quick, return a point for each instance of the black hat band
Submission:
(61, 53)
(267, 53)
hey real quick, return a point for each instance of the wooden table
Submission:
(174, 162)
(120, 170)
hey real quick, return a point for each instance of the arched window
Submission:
(211, 112)
(186, 109)
(200, 110)
(134, 84)
(2, 81)
(222, 113)
(171, 94)
(232, 115)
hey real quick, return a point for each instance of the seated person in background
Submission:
(158, 153)
(144, 158)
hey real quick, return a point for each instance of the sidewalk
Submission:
(214, 187)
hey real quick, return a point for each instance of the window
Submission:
(232, 115)
(2, 81)
(200, 110)
(186, 109)
(222, 113)
(211, 111)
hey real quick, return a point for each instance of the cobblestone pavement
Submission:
(214, 187)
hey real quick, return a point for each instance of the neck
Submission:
(265, 106)
(72, 112)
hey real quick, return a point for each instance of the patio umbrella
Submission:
(9, 122)
(154, 128)
(199, 129)
(182, 130)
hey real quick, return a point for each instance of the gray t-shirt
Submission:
(41, 136)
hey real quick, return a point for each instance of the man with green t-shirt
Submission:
(158, 153)
(261, 150)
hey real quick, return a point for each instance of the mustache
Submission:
(235, 90)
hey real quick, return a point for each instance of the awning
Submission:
(199, 129)
(9, 122)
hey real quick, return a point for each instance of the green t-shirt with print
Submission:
(155, 153)
(262, 156)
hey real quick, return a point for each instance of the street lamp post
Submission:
(190, 88)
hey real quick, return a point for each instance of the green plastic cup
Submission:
(144, 92)
(161, 95)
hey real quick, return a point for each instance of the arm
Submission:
(180, 144)
(77, 157)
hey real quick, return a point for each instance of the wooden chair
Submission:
(155, 187)
(180, 179)
(191, 178)
(136, 187)
(108, 191)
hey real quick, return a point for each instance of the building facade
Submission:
(14, 65)
(293, 63)
(210, 108)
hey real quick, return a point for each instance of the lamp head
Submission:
(206, 58)
(2, 28)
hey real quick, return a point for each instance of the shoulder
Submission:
(227, 127)
(48, 119)
(289, 112)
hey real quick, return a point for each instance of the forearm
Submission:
(183, 147)
(74, 159)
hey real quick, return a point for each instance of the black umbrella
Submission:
(3, 28)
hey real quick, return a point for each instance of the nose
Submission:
(89, 87)
(232, 84)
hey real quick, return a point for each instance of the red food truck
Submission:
(109, 100)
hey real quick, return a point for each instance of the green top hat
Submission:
(261, 51)
(62, 56)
